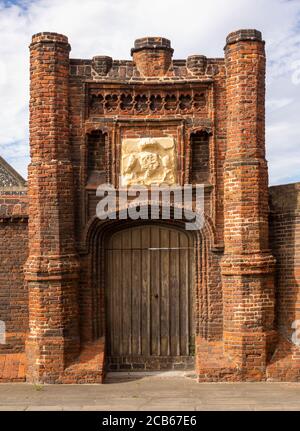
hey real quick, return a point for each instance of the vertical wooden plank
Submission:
(155, 290)
(118, 290)
(145, 297)
(126, 291)
(164, 292)
(109, 303)
(108, 299)
(136, 292)
(115, 290)
(192, 298)
(184, 295)
(174, 293)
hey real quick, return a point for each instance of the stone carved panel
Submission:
(146, 161)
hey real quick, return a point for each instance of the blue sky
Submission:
(96, 27)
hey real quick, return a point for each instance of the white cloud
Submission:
(110, 26)
(274, 104)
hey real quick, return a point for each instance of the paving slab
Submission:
(142, 393)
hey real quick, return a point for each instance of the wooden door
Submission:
(149, 297)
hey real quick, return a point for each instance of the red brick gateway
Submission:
(81, 296)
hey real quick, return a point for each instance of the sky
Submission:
(109, 27)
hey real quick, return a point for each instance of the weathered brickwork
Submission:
(247, 266)
(210, 113)
(13, 255)
(285, 241)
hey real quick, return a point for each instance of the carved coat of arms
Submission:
(148, 161)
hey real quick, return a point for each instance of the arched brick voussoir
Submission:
(95, 225)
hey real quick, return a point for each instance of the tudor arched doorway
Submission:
(150, 299)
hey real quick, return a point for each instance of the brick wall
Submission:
(285, 242)
(13, 254)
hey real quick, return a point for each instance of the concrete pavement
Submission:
(151, 393)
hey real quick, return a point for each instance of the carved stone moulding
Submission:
(140, 100)
(148, 161)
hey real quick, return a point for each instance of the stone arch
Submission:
(208, 316)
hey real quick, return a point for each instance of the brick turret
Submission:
(152, 55)
(51, 269)
(247, 266)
